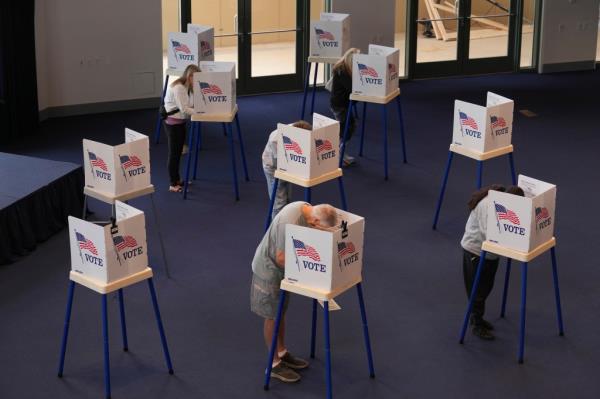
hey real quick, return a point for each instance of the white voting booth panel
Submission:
(481, 128)
(308, 154)
(214, 88)
(206, 41)
(375, 74)
(522, 223)
(182, 50)
(325, 260)
(330, 36)
(120, 169)
(99, 254)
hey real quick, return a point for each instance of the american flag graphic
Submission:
(207, 88)
(324, 35)
(541, 213)
(130, 161)
(122, 242)
(345, 248)
(306, 250)
(291, 145)
(205, 47)
(497, 121)
(466, 120)
(365, 70)
(323, 145)
(86, 244)
(180, 47)
(97, 161)
(506, 214)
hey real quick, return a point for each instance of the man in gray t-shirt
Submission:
(268, 271)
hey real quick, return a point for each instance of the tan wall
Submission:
(400, 16)
(170, 18)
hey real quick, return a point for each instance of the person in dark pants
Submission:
(475, 235)
(178, 98)
(341, 87)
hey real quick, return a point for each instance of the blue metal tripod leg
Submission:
(106, 355)
(63, 345)
(472, 297)
(123, 324)
(401, 120)
(385, 141)
(362, 128)
(307, 194)
(363, 315)
(274, 340)
(342, 193)
(233, 167)
(479, 173)
(198, 133)
(561, 330)
(189, 159)
(443, 189)
(513, 175)
(242, 150)
(506, 282)
(523, 308)
(345, 135)
(327, 349)
(314, 90)
(313, 330)
(271, 203)
(306, 79)
(161, 330)
(158, 118)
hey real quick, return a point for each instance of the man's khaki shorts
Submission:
(264, 297)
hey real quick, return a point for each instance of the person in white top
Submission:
(269, 162)
(178, 100)
(475, 235)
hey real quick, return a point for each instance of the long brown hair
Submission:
(185, 77)
(480, 194)
(345, 62)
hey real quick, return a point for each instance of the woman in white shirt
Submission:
(178, 98)
(475, 235)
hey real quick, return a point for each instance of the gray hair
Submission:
(326, 214)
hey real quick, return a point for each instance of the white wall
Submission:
(97, 51)
(371, 21)
(569, 34)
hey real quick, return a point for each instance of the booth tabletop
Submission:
(375, 100)
(227, 118)
(104, 288)
(308, 182)
(110, 199)
(517, 255)
(173, 72)
(481, 156)
(317, 294)
(323, 60)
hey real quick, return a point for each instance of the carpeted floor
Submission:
(412, 277)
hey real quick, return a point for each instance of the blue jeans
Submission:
(283, 194)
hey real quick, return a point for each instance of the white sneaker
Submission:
(185, 150)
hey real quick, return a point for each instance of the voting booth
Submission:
(482, 128)
(522, 223)
(205, 39)
(214, 88)
(330, 36)
(376, 73)
(120, 169)
(107, 253)
(309, 153)
(325, 260)
(182, 50)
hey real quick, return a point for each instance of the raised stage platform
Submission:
(36, 196)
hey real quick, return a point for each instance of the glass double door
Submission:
(459, 37)
(263, 37)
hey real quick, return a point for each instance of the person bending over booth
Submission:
(268, 271)
(269, 163)
(475, 235)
